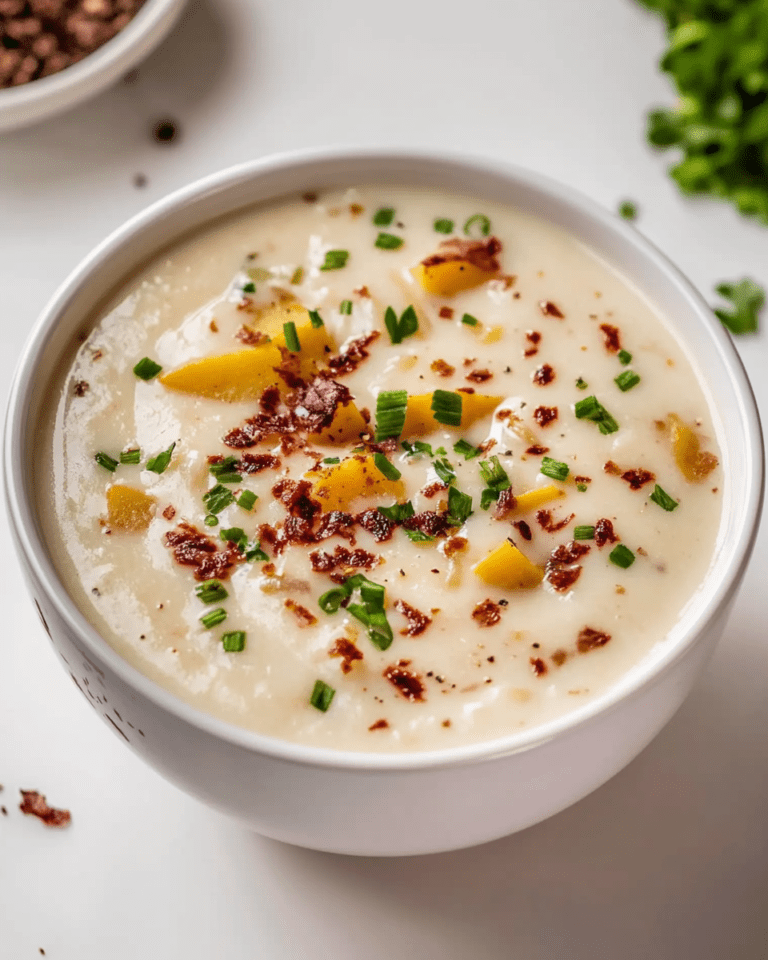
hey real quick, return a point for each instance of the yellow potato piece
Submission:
(508, 568)
(346, 426)
(357, 476)
(451, 277)
(533, 499)
(420, 421)
(694, 463)
(129, 509)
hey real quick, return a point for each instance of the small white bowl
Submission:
(383, 804)
(34, 101)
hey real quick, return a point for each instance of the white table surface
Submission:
(669, 859)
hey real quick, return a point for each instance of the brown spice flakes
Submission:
(349, 653)
(545, 521)
(379, 725)
(539, 666)
(637, 478)
(523, 529)
(446, 313)
(537, 450)
(33, 804)
(590, 639)
(405, 681)
(487, 613)
(543, 375)
(550, 309)
(303, 616)
(604, 532)
(545, 415)
(417, 621)
(479, 376)
(442, 369)
(611, 337)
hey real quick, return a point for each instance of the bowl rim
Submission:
(26, 104)
(309, 163)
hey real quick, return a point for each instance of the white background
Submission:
(669, 859)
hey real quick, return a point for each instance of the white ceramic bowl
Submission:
(372, 803)
(31, 102)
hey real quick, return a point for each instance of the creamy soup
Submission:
(382, 470)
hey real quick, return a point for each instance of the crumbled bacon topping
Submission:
(430, 523)
(405, 681)
(544, 415)
(487, 613)
(590, 639)
(379, 725)
(353, 355)
(505, 504)
(524, 530)
(536, 450)
(637, 478)
(34, 804)
(482, 254)
(446, 313)
(550, 309)
(612, 468)
(379, 526)
(534, 338)
(170, 512)
(256, 462)
(433, 489)
(442, 369)
(348, 652)
(251, 337)
(479, 376)
(455, 545)
(604, 532)
(543, 375)
(192, 548)
(324, 562)
(562, 569)
(611, 337)
(304, 617)
(545, 521)
(417, 621)
(539, 666)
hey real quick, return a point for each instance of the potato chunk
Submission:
(346, 426)
(129, 509)
(357, 476)
(508, 568)
(694, 463)
(420, 421)
(459, 265)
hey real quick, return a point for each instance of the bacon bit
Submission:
(351, 358)
(480, 253)
(442, 369)
(336, 523)
(170, 512)
(270, 399)
(81, 388)
(258, 428)
(611, 337)
(559, 657)
(637, 478)
(539, 667)
(524, 530)
(582, 479)
(612, 468)
(604, 532)
(590, 639)
(309, 197)
(348, 652)
(505, 504)
(446, 313)
(455, 545)
(251, 337)
(245, 304)
(409, 684)
(192, 548)
(430, 523)
(544, 375)
(323, 562)
(537, 450)
(544, 415)
(356, 209)
(256, 462)
(507, 280)
(379, 526)
(213, 326)
(562, 568)
(479, 376)
(320, 398)
(33, 804)
(487, 613)
(417, 621)
(303, 616)
(433, 489)
(504, 414)
(468, 361)
(550, 309)
(534, 338)
(379, 725)
(545, 521)
(487, 445)
(465, 390)
(295, 495)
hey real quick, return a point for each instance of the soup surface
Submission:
(382, 469)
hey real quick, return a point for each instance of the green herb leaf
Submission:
(159, 464)
(747, 298)
(335, 259)
(622, 556)
(626, 380)
(584, 533)
(345, 307)
(590, 408)
(555, 469)
(625, 358)
(416, 536)
(420, 446)
(445, 471)
(315, 319)
(459, 505)
(233, 641)
(406, 326)
(663, 499)
(370, 612)
(321, 695)
(388, 241)
(131, 456)
(443, 226)
(211, 591)
(212, 618)
(496, 480)
(466, 450)
(582, 487)
(291, 337)
(446, 407)
(385, 467)
(254, 553)
(398, 511)
(469, 320)
(478, 224)
(247, 500)
(582, 384)
(627, 210)
(104, 460)
(297, 276)
(211, 520)
(249, 287)
(147, 369)
(391, 408)
(332, 460)
(217, 499)
(235, 535)
(226, 465)
(384, 216)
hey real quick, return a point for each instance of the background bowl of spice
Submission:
(358, 801)
(56, 53)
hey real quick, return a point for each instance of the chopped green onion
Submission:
(211, 520)
(335, 259)
(663, 499)
(332, 460)
(315, 319)
(406, 326)
(235, 535)
(104, 460)
(388, 241)
(446, 407)
(249, 287)
(233, 641)
(391, 407)
(459, 505)
(370, 612)
(321, 695)
(218, 498)
(747, 298)
(481, 221)
(297, 276)
(131, 456)
(229, 477)
(416, 536)
(625, 357)
(247, 500)
(291, 337)
(384, 216)
(253, 552)
(420, 446)
(582, 487)
(590, 408)
(469, 320)
(582, 384)
(147, 369)
(627, 210)
(159, 464)
(496, 480)
(211, 591)
(226, 465)
(384, 466)
(213, 618)
(398, 511)
(466, 450)
(445, 471)
(443, 226)
(622, 556)
(555, 469)
(345, 307)
(584, 533)
(626, 380)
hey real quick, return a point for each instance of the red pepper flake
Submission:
(303, 616)
(487, 613)
(544, 375)
(611, 337)
(251, 337)
(324, 562)
(544, 415)
(637, 478)
(550, 309)
(545, 521)
(480, 253)
(446, 313)
(417, 621)
(479, 376)
(534, 338)
(442, 369)
(562, 569)
(539, 666)
(590, 639)
(537, 450)
(348, 652)
(33, 804)
(405, 681)
(604, 532)
(379, 725)
(524, 530)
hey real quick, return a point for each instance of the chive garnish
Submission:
(398, 511)
(626, 380)
(469, 320)
(443, 226)
(370, 612)
(555, 469)
(406, 326)
(229, 477)
(211, 520)
(663, 499)
(213, 618)
(233, 641)
(388, 241)
(582, 384)
(746, 296)
(420, 446)
(345, 307)
(496, 480)
(297, 276)
(332, 460)
(235, 535)
(315, 319)
(627, 210)
(459, 505)
(622, 556)
(147, 369)
(247, 500)
(217, 499)
(291, 337)
(445, 471)
(254, 553)
(466, 450)
(482, 223)
(335, 259)
(226, 465)
(321, 695)
(384, 466)
(131, 456)
(159, 464)
(590, 408)
(584, 533)
(625, 357)
(104, 460)
(446, 407)
(384, 216)
(581, 487)
(211, 591)
(249, 287)
(416, 536)
(391, 407)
